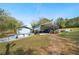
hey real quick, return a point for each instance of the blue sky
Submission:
(28, 12)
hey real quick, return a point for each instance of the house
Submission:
(23, 32)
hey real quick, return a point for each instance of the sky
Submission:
(28, 12)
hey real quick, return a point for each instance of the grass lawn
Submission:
(44, 44)
(26, 43)
(73, 35)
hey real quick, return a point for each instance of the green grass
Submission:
(73, 35)
(26, 43)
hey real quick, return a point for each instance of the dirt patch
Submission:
(58, 46)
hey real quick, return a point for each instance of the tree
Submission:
(34, 25)
(72, 22)
(44, 23)
(76, 21)
(8, 22)
(3, 12)
(60, 22)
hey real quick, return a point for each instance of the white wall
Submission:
(24, 31)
